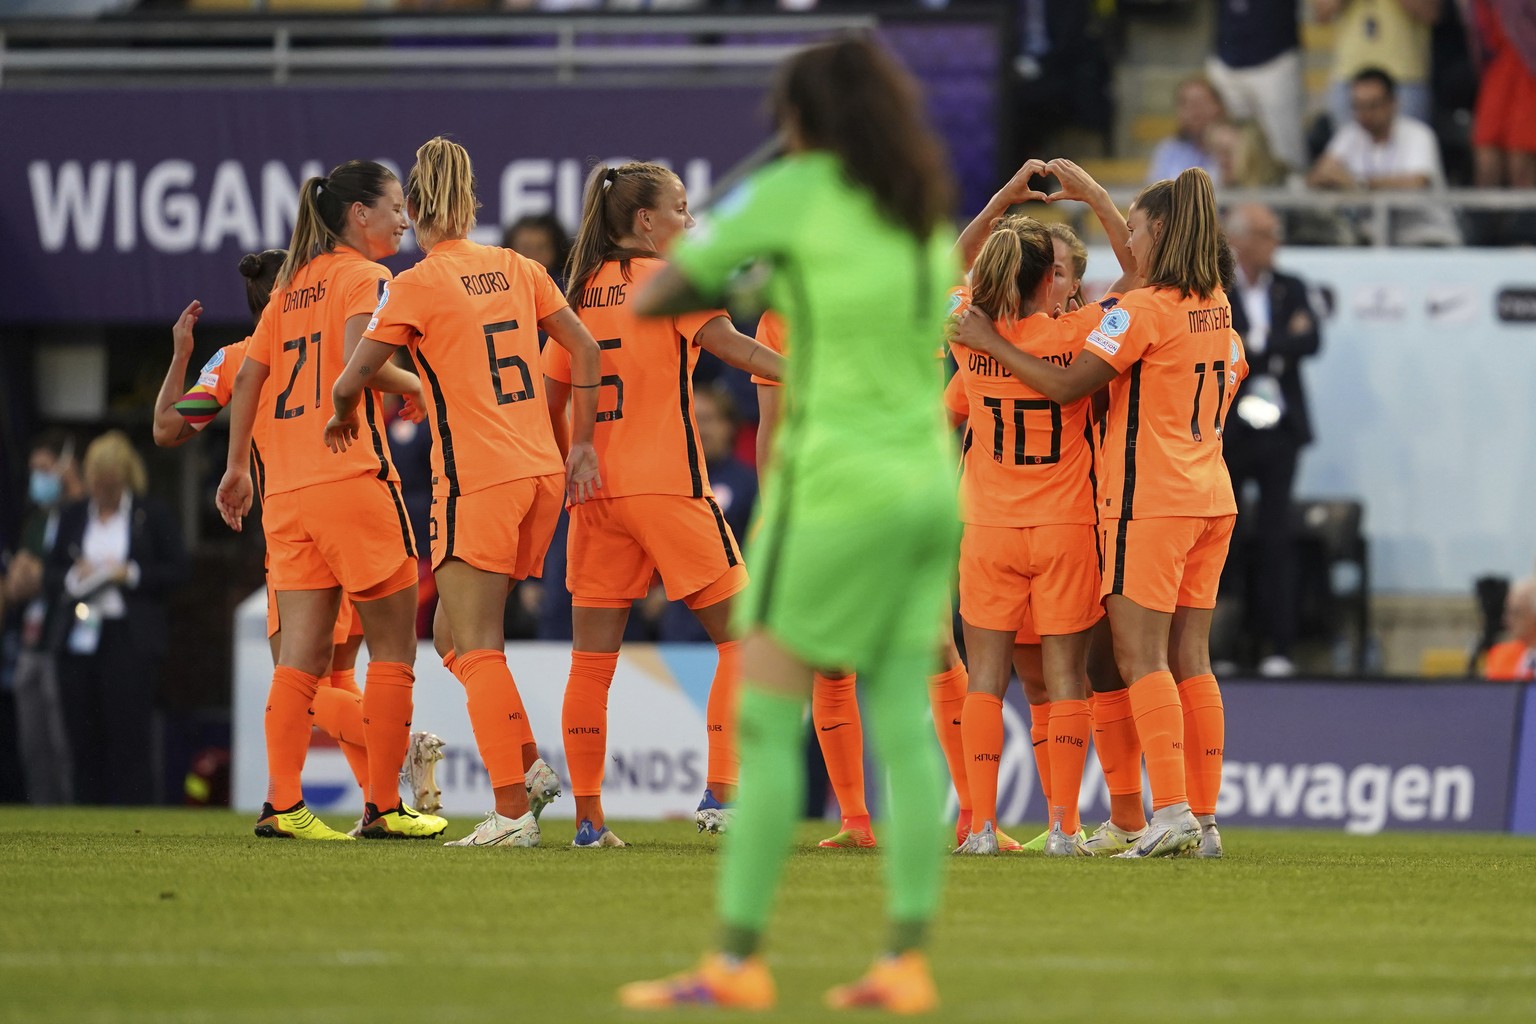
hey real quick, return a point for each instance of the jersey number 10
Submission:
(1020, 406)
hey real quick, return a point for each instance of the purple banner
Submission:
(1351, 756)
(124, 205)
(1522, 808)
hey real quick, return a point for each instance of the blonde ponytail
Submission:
(441, 189)
(612, 198)
(1013, 261)
(1186, 256)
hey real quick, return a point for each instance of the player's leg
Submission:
(1153, 554)
(776, 684)
(1119, 749)
(606, 571)
(900, 980)
(388, 613)
(597, 633)
(474, 600)
(304, 654)
(1189, 654)
(948, 690)
(840, 733)
(1064, 659)
(991, 654)
(693, 548)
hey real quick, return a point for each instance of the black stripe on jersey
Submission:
(373, 431)
(444, 437)
(1093, 488)
(1128, 495)
(731, 560)
(684, 402)
(1132, 428)
(259, 471)
(405, 523)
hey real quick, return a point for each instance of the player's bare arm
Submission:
(1061, 384)
(171, 428)
(235, 490)
(565, 329)
(1016, 191)
(720, 337)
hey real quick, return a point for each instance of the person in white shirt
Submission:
(117, 558)
(1383, 149)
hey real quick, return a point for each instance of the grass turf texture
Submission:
(184, 915)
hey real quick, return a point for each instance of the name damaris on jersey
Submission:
(986, 366)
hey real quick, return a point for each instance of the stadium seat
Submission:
(1333, 579)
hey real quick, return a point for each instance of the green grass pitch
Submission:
(184, 916)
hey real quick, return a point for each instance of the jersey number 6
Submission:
(504, 397)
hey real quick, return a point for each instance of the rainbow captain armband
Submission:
(198, 407)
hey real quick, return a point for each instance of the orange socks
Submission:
(982, 729)
(339, 714)
(345, 680)
(835, 713)
(946, 696)
(1205, 732)
(1160, 726)
(1040, 742)
(720, 714)
(287, 729)
(1071, 724)
(387, 728)
(496, 714)
(584, 718)
(1114, 737)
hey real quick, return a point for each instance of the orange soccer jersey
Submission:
(1179, 364)
(300, 339)
(214, 388)
(1028, 461)
(647, 440)
(469, 315)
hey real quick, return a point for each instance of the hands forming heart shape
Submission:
(1076, 183)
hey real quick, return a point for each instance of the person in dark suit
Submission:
(1269, 424)
(117, 557)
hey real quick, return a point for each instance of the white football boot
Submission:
(498, 831)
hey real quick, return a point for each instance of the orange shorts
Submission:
(1009, 575)
(1168, 562)
(348, 622)
(618, 544)
(349, 533)
(504, 528)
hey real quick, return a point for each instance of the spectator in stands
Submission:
(1243, 156)
(1515, 658)
(1504, 127)
(1389, 34)
(540, 237)
(1384, 149)
(734, 484)
(1199, 108)
(1257, 71)
(116, 559)
(1270, 423)
(42, 741)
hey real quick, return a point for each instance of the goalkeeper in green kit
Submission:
(857, 534)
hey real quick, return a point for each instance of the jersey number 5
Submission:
(610, 380)
(1020, 407)
(499, 363)
(301, 343)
